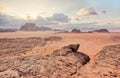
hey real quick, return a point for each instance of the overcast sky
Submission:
(58, 12)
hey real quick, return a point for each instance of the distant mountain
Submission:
(7, 30)
(33, 27)
(42, 28)
(29, 27)
(100, 31)
(75, 31)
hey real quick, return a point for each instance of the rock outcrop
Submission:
(33, 27)
(75, 31)
(62, 63)
(17, 46)
(105, 65)
(109, 60)
(101, 31)
(29, 27)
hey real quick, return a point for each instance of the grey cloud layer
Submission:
(60, 18)
(6, 20)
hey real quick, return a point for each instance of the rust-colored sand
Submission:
(90, 43)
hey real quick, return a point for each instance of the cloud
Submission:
(89, 24)
(9, 21)
(15, 22)
(45, 21)
(115, 23)
(87, 12)
(118, 22)
(4, 9)
(6, 20)
(59, 17)
(55, 19)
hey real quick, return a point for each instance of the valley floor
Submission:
(90, 43)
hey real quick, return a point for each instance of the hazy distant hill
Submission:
(100, 31)
(7, 30)
(33, 27)
(42, 28)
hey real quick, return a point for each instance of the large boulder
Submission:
(62, 63)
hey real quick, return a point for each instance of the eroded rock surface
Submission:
(62, 63)
(105, 65)
(109, 60)
(17, 46)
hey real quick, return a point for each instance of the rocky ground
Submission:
(14, 47)
(62, 63)
(66, 62)
(106, 64)
(22, 58)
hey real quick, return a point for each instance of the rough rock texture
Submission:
(63, 63)
(109, 59)
(16, 46)
(75, 31)
(106, 64)
(52, 38)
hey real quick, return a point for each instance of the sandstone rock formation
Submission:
(101, 31)
(105, 65)
(75, 31)
(109, 60)
(29, 27)
(62, 63)
(33, 27)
